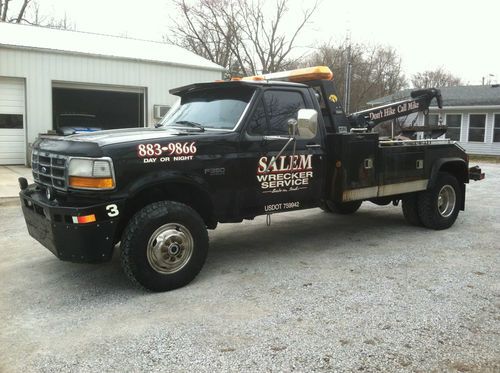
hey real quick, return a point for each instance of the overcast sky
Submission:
(460, 36)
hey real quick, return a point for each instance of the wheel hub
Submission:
(446, 201)
(173, 249)
(170, 248)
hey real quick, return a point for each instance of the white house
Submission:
(48, 75)
(471, 113)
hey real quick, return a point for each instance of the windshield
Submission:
(219, 108)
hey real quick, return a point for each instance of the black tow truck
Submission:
(229, 151)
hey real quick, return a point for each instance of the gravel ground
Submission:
(313, 292)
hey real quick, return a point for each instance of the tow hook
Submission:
(476, 174)
(23, 183)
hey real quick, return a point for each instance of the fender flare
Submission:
(438, 165)
(458, 164)
(163, 178)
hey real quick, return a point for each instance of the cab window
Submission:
(272, 112)
(258, 122)
(282, 106)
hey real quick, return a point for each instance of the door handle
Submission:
(368, 163)
(313, 146)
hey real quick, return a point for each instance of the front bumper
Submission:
(53, 225)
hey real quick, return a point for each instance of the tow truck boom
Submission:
(419, 102)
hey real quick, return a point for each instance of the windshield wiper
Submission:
(191, 124)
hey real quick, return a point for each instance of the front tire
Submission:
(164, 246)
(438, 207)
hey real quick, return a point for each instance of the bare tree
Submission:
(376, 70)
(63, 23)
(28, 11)
(436, 78)
(207, 28)
(6, 11)
(239, 35)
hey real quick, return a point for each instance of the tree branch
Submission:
(22, 10)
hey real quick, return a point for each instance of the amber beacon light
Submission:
(298, 75)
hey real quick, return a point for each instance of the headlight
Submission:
(88, 173)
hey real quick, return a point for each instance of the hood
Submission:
(90, 144)
(109, 137)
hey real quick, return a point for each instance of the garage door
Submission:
(101, 106)
(12, 121)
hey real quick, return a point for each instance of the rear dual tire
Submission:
(410, 210)
(435, 208)
(343, 208)
(439, 206)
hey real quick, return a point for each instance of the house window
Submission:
(476, 127)
(453, 122)
(431, 120)
(496, 129)
(11, 121)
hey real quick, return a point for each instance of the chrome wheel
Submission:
(446, 201)
(169, 248)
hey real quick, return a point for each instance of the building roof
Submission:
(63, 41)
(469, 95)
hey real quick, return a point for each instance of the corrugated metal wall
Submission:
(42, 68)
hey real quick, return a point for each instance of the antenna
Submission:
(348, 74)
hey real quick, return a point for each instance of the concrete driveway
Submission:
(313, 292)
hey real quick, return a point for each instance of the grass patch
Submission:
(484, 158)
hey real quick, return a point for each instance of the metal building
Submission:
(50, 77)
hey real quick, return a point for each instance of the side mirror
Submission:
(306, 125)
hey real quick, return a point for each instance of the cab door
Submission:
(280, 182)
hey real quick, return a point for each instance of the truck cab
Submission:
(229, 151)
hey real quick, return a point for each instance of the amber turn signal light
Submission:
(84, 219)
(91, 182)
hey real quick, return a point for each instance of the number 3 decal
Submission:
(112, 210)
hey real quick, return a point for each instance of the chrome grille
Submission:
(49, 169)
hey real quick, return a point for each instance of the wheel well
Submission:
(191, 195)
(457, 169)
